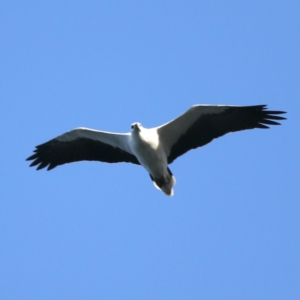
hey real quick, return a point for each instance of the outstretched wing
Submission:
(202, 123)
(83, 144)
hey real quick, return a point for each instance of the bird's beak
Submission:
(136, 127)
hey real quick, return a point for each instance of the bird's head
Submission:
(136, 127)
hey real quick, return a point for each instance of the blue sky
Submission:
(102, 231)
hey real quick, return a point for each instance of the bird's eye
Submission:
(132, 126)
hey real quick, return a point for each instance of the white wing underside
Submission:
(170, 132)
(119, 140)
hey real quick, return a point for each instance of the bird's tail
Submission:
(165, 183)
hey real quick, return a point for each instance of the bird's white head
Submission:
(136, 127)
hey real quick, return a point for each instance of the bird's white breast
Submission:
(145, 145)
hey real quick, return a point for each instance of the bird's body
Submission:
(153, 148)
(150, 153)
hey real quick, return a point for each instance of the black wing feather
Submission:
(55, 153)
(211, 126)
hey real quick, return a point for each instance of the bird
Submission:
(154, 148)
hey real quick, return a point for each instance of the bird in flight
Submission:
(154, 148)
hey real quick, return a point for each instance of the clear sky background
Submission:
(102, 231)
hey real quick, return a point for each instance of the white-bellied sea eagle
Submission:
(154, 148)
